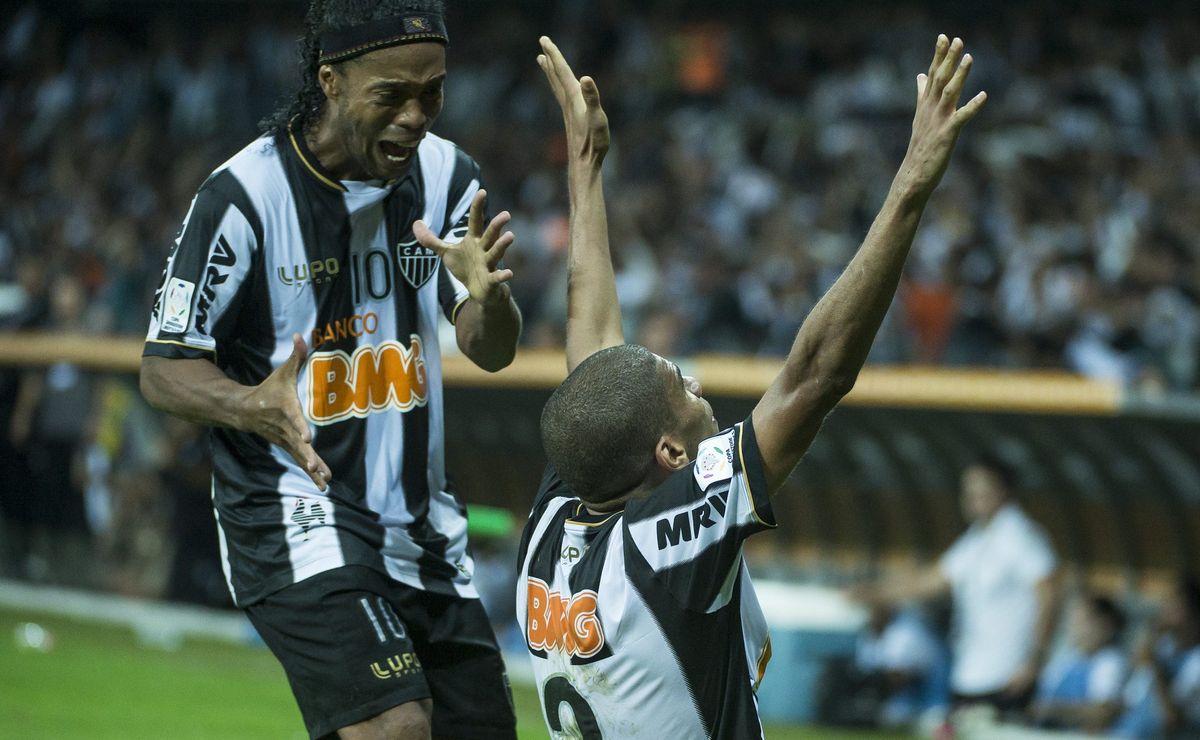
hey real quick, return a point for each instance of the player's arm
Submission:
(179, 374)
(927, 583)
(489, 323)
(488, 329)
(832, 345)
(593, 313)
(197, 390)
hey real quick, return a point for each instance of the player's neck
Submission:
(324, 143)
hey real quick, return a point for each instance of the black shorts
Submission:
(355, 643)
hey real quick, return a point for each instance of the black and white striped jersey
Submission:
(273, 245)
(643, 623)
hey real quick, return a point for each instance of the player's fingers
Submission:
(501, 276)
(493, 230)
(551, 77)
(955, 86)
(591, 93)
(428, 239)
(922, 81)
(496, 253)
(949, 63)
(939, 53)
(297, 422)
(968, 111)
(313, 465)
(291, 366)
(476, 218)
(566, 77)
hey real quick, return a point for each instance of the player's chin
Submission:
(389, 167)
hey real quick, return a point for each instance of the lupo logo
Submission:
(317, 272)
(375, 378)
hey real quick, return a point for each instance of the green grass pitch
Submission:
(98, 682)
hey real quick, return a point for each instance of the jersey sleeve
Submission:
(465, 182)
(690, 530)
(196, 303)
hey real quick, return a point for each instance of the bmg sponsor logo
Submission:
(375, 378)
(555, 622)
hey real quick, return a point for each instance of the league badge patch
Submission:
(177, 305)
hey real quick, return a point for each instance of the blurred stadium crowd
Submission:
(750, 155)
(751, 150)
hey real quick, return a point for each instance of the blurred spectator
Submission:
(1162, 698)
(899, 673)
(1001, 574)
(749, 155)
(1081, 688)
(49, 427)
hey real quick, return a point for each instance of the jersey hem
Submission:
(175, 350)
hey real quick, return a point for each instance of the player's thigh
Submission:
(347, 655)
(463, 666)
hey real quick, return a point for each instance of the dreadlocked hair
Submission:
(323, 16)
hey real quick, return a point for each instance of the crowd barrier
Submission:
(1114, 476)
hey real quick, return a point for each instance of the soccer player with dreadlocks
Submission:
(298, 318)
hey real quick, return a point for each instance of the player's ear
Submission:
(670, 454)
(329, 80)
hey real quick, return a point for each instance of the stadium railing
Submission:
(1113, 475)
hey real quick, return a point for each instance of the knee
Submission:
(409, 721)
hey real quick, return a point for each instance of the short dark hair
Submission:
(1108, 611)
(324, 16)
(600, 427)
(998, 467)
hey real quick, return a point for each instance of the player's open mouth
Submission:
(396, 153)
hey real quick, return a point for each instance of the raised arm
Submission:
(832, 345)
(593, 313)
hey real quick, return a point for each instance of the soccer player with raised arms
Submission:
(633, 596)
(298, 317)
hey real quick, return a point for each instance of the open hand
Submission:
(474, 260)
(938, 119)
(579, 99)
(273, 412)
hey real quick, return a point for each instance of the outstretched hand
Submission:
(938, 119)
(474, 260)
(579, 99)
(274, 413)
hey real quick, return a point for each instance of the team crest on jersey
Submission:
(416, 263)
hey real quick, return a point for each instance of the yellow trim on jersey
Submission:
(760, 667)
(181, 344)
(296, 145)
(454, 311)
(746, 476)
(590, 524)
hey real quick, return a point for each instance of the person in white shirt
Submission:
(1002, 576)
(1080, 688)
